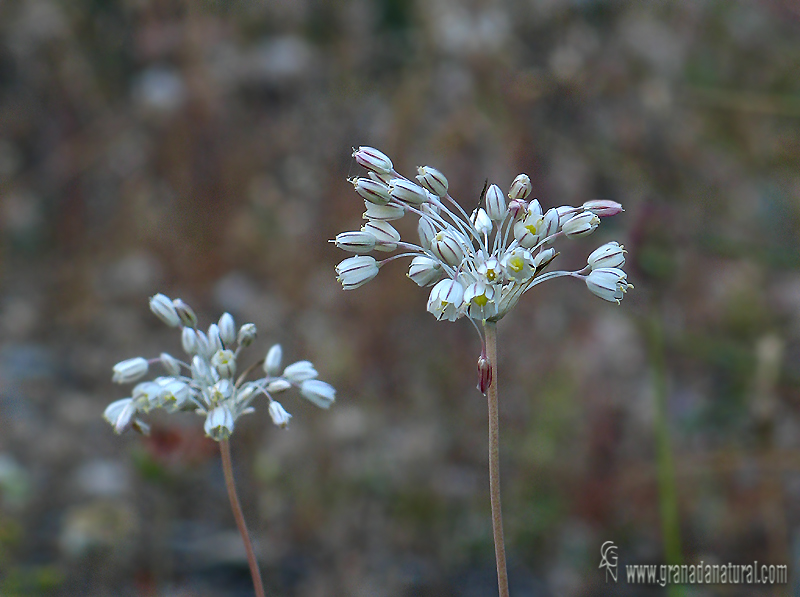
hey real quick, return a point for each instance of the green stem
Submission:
(227, 467)
(490, 328)
(668, 495)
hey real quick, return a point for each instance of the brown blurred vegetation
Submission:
(201, 149)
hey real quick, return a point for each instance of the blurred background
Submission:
(201, 149)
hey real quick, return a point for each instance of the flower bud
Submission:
(374, 191)
(162, 307)
(528, 230)
(246, 335)
(432, 180)
(481, 221)
(484, 374)
(278, 385)
(407, 191)
(224, 362)
(581, 225)
(386, 237)
(354, 272)
(551, 220)
(383, 213)
(374, 160)
(426, 231)
(565, 212)
(200, 369)
(495, 204)
(278, 414)
(611, 254)
(189, 340)
(119, 414)
(535, 208)
(355, 242)
(424, 271)
(520, 188)
(129, 370)
(543, 258)
(171, 364)
(446, 246)
(603, 207)
(185, 313)
(300, 371)
(214, 339)
(227, 329)
(203, 345)
(219, 423)
(272, 362)
(320, 393)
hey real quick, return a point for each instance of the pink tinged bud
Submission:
(227, 329)
(484, 374)
(120, 414)
(383, 213)
(603, 207)
(446, 299)
(278, 414)
(432, 180)
(581, 225)
(356, 242)
(446, 247)
(611, 254)
(272, 362)
(610, 284)
(407, 191)
(424, 271)
(224, 362)
(130, 370)
(185, 313)
(162, 307)
(300, 371)
(318, 392)
(520, 188)
(495, 204)
(219, 423)
(356, 271)
(374, 160)
(373, 191)
(481, 222)
(386, 237)
(517, 208)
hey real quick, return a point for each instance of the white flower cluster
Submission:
(207, 385)
(479, 265)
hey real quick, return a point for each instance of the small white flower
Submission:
(174, 392)
(496, 204)
(278, 385)
(219, 423)
(279, 415)
(426, 231)
(386, 236)
(535, 209)
(247, 334)
(220, 392)
(446, 299)
(542, 258)
(214, 339)
(374, 160)
(356, 271)
(520, 188)
(565, 212)
(448, 247)
(424, 271)
(355, 242)
(120, 414)
(129, 370)
(224, 362)
(163, 308)
(320, 393)
(609, 284)
(491, 270)
(480, 300)
(300, 371)
(518, 264)
(383, 213)
(189, 340)
(147, 395)
(611, 254)
(528, 230)
(272, 362)
(432, 180)
(550, 224)
(374, 191)
(581, 225)
(201, 371)
(170, 364)
(227, 329)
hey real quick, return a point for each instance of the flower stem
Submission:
(227, 467)
(490, 329)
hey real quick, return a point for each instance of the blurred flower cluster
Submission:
(208, 384)
(480, 264)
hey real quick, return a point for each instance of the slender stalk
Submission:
(490, 329)
(227, 467)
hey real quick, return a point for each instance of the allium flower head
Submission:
(206, 383)
(479, 265)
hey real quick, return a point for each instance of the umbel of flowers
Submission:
(206, 381)
(480, 264)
